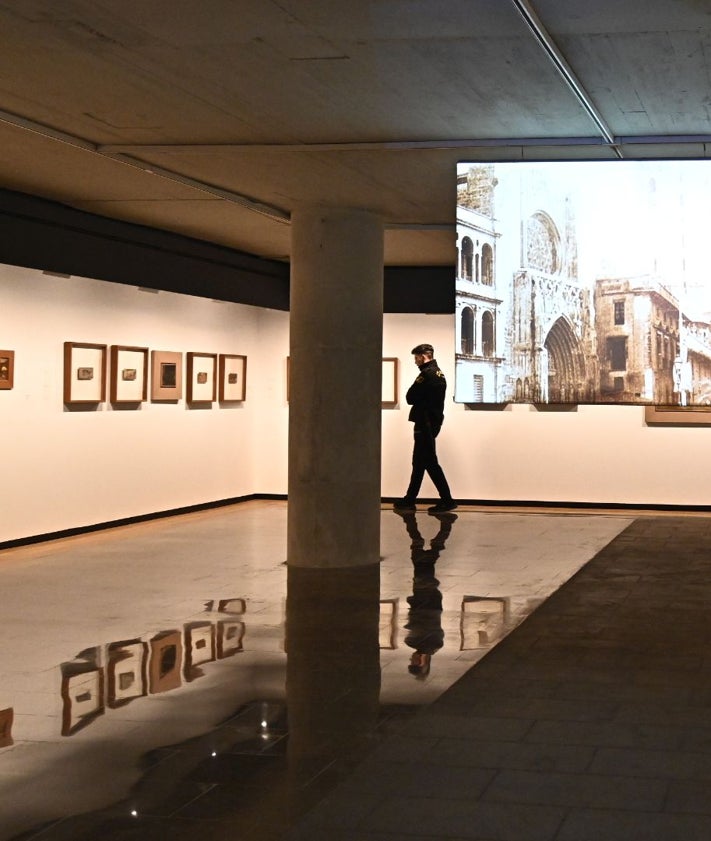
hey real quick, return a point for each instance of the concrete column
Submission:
(336, 331)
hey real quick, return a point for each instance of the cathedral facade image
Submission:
(564, 295)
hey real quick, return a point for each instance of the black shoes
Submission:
(442, 506)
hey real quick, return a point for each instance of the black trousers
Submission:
(424, 460)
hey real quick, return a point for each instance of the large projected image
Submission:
(584, 282)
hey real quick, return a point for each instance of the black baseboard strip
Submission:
(221, 503)
(583, 506)
(129, 521)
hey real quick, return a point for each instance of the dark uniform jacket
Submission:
(426, 396)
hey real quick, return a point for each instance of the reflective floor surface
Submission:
(155, 683)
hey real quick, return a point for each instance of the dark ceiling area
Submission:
(215, 120)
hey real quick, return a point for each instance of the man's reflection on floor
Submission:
(424, 621)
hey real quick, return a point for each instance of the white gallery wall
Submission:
(64, 468)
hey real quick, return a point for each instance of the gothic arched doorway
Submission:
(566, 364)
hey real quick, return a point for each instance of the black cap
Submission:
(423, 349)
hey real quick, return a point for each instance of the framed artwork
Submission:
(230, 634)
(129, 374)
(390, 381)
(166, 650)
(387, 625)
(232, 606)
(166, 375)
(677, 415)
(7, 369)
(6, 718)
(199, 648)
(233, 378)
(82, 696)
(202, 377)
(84, 373)
(483, 620)
(127, 672)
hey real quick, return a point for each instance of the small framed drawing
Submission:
(82, 696)
(6, 719)
(202, 377)
(7, 368)
(84, 373)
(127, 672)
(166, 663)
(390, 382)
(199, 648)
(233, 378)
(230, 634)
(387, 626)
(483, 620)
(166, 375)
(129, 374)
(232, 606)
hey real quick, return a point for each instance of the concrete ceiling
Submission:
(216, 119)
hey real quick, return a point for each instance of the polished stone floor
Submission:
(156, 683)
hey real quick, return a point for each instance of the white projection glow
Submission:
(584, 282)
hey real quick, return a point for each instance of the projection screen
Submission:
(584, 282)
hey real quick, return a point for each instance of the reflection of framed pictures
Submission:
(166, 662)
(199, 647)
(82, 696)
(127, 678)
(202, 377)
(129, 374)
(84, 373)
(6, 719)
(233, 378)
(387, 628)
(390, 381)
(232, 606)
(677, 415)
(7, 368)
(230, 634)
(482, 621)
(166, 375)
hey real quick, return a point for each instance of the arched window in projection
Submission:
(467, 330)
(488, 347)
(487, 264)
(543, 246)
(467, 258)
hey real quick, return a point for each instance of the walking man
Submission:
(426, 397)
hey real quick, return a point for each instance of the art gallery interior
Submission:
(210, 606)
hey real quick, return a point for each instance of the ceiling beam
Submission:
(79, 143)
(544, 39)
(405, 145)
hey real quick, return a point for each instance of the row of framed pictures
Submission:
(120, 672)
(208, 377)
